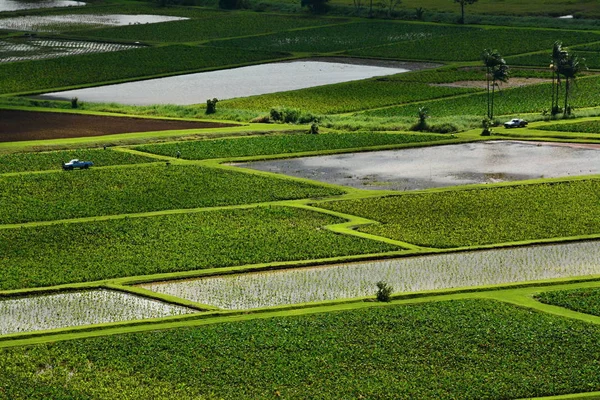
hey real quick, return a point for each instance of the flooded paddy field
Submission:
(15, 5)
(24, 49)
(409, 274)
(62, 310)
(441, 166)
(59, 23)
(227, 84)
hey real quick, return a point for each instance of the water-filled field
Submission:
(63, 310)
(411, 274)
(58, 23)
(230, 83)
(36, 49)
(439, 166)
(14, 5)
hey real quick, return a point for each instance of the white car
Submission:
(515, 123)
(75, 163)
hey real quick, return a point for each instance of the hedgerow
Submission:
(482, 216)
(583, 300)
(467, 349)
(42, 161)
(76, 70)
(67, 253)
(94, 192)
(281, 144)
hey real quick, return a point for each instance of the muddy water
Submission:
(227, 84)
(13, 5)
(440, 166)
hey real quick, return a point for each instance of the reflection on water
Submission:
(440, 166)
(13, 5)
(227, 84)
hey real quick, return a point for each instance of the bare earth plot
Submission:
(25, 125)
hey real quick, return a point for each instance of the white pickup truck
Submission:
(75, 163)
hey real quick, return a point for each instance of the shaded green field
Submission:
(347, 97)
(83, 69)
(344, 37)
(526, 99)
(94, 192)
(484, 216)
(468, 45)
(585, 127)
(81, 252)
(582, 300)
(21, 162)
(592, 59)
(282, 144)
(223, 25)
(450, 350)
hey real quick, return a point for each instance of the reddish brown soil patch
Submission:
(27, 125)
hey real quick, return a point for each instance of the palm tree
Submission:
(499, 74)
(496, 70)
(558, 57)
(570, 67)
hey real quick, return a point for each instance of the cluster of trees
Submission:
(565, 67)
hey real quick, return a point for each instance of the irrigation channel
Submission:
(441, 166)
(407, 274)
(227, 84)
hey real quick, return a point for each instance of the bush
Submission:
(211, 105)
(446, 127)
(384, 291)
(286, 115)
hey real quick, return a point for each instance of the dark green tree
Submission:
(462, 8)
(496, 71)
(558, 57)
(315, 6)
(570, 67)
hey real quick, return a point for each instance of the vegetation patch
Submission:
(442, 350)
(27, 76)
(585, 127)
(347, 97)
(468, 44)
(218, 26)
(95, 192)
(581, 300)
(22, 162)
(525, 99)
(281, 144)
(482, 216)
(91, 251)
(343, 37)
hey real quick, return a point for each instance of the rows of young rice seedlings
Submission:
(60, 23)
(62, 310)
(411, 274)
(36, 49)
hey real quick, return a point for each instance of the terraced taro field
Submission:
(170, 270)
(36, 49)
(63, 310)
(411, 274)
